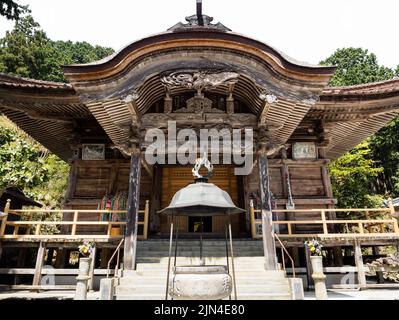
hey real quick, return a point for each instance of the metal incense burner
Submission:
(201, 282)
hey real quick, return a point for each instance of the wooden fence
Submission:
(348, 228)
(33, 230)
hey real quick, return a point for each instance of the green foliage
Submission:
(27, 51)
(351, 177)
(367, 174)
(356, 66)
(21, 163)
(11, 9)
(385, 148)
(27, 165)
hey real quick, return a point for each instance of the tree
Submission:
(352, 176)
(11, 9)
(27, 165)
(361, 177)
(356, 66)
(27, 51)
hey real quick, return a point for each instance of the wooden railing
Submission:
(102, 229)
(355, 228)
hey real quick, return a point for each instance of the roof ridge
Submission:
(12, 79)
(363, 85)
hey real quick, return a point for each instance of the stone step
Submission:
(238, 271)
(150, 296)
(159, 279)
(277, 287)
(238, 268)
(196, 252)
(197, 247)
(164, 267)
(256, 259)
(197, 242)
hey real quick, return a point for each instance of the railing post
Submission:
(41, 252)
(395, 226)
(361, 275)
(391, 207)
(361, 230)
(75, 219)
(252, 215)
(146, 218)
(289, 227)
(5, 218)
(109, 230)
(323, 218)
(38, 229)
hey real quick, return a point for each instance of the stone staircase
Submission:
(148, 282)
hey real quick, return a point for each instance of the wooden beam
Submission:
(39, 264)
(38, 287)
(57, 272)
(269, 245)
(361, 275)
(130, 246)
(149, 169)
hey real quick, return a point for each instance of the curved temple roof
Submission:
(48, 111)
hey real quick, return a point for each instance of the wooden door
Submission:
(176, 178)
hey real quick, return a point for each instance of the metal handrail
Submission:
(117, 251)
(282, 255)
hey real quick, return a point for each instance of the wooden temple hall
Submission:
(200, 75)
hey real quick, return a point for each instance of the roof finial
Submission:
(199, 13)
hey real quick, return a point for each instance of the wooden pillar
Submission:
(338, 258)
(130, 246)
(72, 178)
(60, 258)
(269, 244)
(50, 254)
(155, 220)
(361, 275)
(294, 252)
(20, 263)
(105, 255)
(39, 264)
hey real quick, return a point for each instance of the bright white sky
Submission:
(307, 30)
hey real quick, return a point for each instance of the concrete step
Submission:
(244, 272)
(191, 254)
(197, 249)
(157, 280)
(197, 242)
(157, 296)
(269, 287)
(148, 282)
(158, 259)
